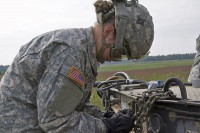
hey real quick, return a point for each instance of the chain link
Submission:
(145, 104)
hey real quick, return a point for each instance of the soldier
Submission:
(47, 87)
(195, 70)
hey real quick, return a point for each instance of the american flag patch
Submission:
(75, 75)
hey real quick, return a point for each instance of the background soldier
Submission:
(195, 70)
(47, 87)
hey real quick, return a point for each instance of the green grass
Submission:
(143, 65)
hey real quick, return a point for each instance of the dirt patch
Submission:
(181, 72)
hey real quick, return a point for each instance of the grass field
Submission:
(144, 65)
(147, 71)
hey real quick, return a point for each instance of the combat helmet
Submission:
(134, 29)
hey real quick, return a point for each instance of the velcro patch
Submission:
(77, 76)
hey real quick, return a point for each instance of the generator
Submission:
(169, 106)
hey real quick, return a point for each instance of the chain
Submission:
(145, 104)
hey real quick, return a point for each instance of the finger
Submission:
(116, 108)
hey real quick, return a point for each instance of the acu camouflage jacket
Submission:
(46, 87)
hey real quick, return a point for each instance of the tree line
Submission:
(169, 57)
(3, 69)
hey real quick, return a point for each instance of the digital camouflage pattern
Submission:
(138, 32)
(195, 71)
(38, 78)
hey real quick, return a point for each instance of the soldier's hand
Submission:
(121, 122)
(127, 111)
(108, 114)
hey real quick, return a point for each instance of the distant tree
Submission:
(3, 69)
(170, 57)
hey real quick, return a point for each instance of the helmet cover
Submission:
(134, 30)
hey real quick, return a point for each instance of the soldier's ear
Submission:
(108, 29)
(109, 32)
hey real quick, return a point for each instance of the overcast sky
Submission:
(177, 23)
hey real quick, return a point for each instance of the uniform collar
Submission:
(91, 49)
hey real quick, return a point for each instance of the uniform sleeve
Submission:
(59, 94)
(93, 110)
(195, 70)
(89, 107)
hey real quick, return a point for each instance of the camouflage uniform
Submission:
(195, 71)
(39, 92)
